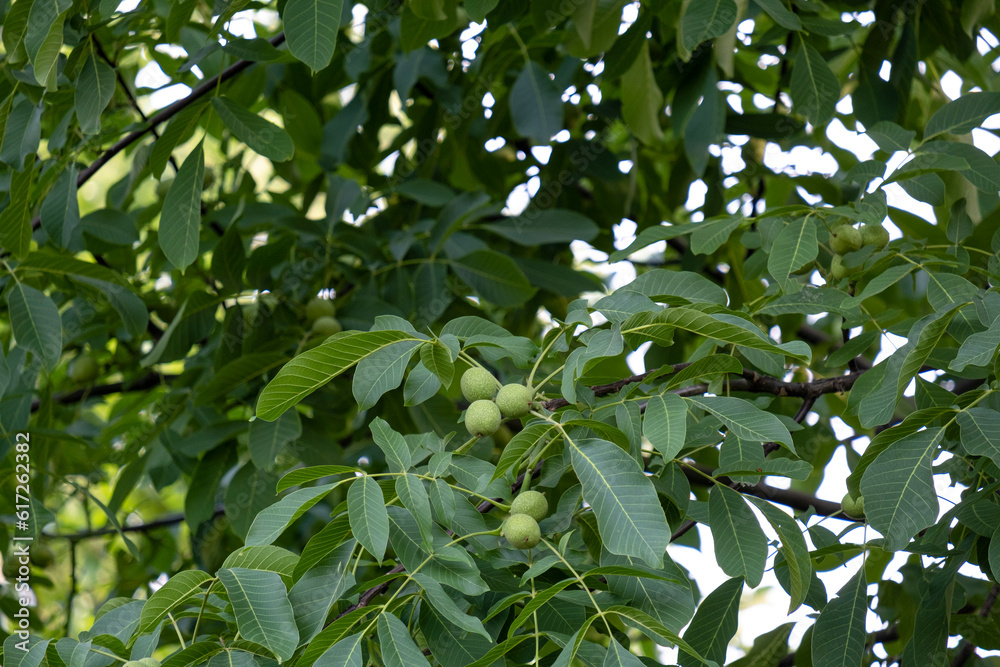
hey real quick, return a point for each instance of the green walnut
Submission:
(478, 384)
(143, 662)
(326, 326)
(531, 503)
(83, 368)
(845, 239)
(514, 400)
(163, 187)
(522, 531)
(839, 270)
(317, 308)
(853, 507)
(482, 418)
(875, 235)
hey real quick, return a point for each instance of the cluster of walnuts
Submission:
(489, 404)
(845, 238)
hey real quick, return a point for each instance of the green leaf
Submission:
(676, 287)
(322, 544)
(745, 420)
(263, 612)
(43, 39)
(425, 191)
(447, 607)
(345, 653)
(714, 624)
(413, 495)
(740, 543)
(891, 137)
(793, 548)
(309, 371)
(381, 372)
(179, 129)
(398, 647)
(237, 373)
(450, 565)
(981, 432)
(437, 359)
(269, 524)
(260, 135)
(14, 28)
(839, 637)
(629, 517)
(35, 322)
(617, 656)
(547, 226)
(60, 213)
(305, 475)
(815, 90)
(978, 349)
(15, 220)
(644, 326)
(665, 424)
(369, 520)
(536, 106)
(311, 28)
(795, 247)
(642, 101)
(983, 171)
(527, 438)
(95, 86)
(494, 277)
(879, 284)
(267, 439)
(112, 285)
(392, 444)
(780, 14)
(962, 115)
(180, 219)
(179, 589)
(898, 488)
(318, 588)
(708, 236)
(702, 21)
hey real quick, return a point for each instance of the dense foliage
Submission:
(241, 330)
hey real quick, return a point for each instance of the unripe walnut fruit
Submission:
(838, 270)
(482, 418)
(845, 239)
(83, 368)
(521, 531)
(875, 235)
(326, 326)
(478, 384)
(853, 507)
(531, 503)
(317, 308)
(514, 400)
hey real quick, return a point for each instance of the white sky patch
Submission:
(542, 153)
(242, 25)
(167, 96)
(696, 195)
(860, 144)
(799, 161)
(985, 141)
(951, 84)
(151, 76)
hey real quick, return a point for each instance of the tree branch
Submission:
(365, 598)
(164, 115)
(749, 381)
(168, 520)
(883, 636)
(967, 650)
(147, 381)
